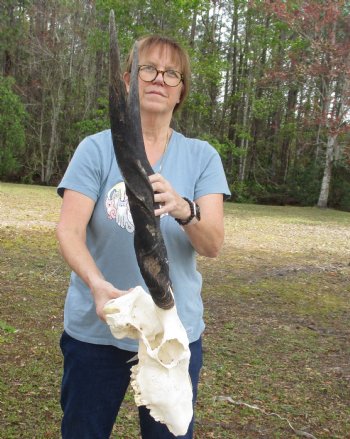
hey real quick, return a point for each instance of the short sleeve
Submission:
(212, 179)
(85, 171)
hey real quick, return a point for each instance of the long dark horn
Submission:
(130, 153)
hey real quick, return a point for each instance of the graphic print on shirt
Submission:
(117, 206)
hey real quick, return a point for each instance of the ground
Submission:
(277, 349)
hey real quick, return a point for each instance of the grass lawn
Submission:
(277, 342)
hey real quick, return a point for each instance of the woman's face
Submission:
(157, 97)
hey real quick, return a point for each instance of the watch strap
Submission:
(195, 213)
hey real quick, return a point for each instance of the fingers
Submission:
(159, 183)
(102, 294)
(168, 199)
(163, 210)
(162, 198)
(163, 194)
(166, 202)
(155, 177)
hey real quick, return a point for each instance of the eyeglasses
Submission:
(172, 78)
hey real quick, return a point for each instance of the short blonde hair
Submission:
(178, 53)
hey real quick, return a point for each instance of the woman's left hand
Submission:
(206, 235)
(169, 200)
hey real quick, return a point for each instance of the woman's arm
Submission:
(76, 212)
(207, 235)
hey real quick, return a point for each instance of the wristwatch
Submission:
(195, 213)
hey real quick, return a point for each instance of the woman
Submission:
(95, 233)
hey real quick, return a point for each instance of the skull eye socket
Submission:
(169, 351)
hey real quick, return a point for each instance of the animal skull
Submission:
(160, 380)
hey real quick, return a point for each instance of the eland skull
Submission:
(160, 380)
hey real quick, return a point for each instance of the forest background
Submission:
(270, 88)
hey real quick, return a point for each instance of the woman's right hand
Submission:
(102, 292)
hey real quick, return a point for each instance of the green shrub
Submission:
(98, 121)
(339, 196)
(247, 192)
(304, 184)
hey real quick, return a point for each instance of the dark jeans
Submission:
(94, 383)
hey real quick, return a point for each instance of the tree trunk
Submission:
(339, 110)
(257, 122)
(55, 113)
(288, 138)
(7, 64)
(245, 140)
(231, 72)
(327, 174)
(193, 27)
(41, 141)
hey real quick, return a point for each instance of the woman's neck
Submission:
(156, 133)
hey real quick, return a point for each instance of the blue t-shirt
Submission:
(194, 169)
